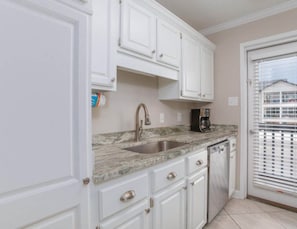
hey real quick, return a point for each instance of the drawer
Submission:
(197, 161)
(121, 195)
(232, 142)
(168, 174)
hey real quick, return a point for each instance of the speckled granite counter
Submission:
(112, 161)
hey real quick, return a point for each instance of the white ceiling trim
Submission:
(250, 18)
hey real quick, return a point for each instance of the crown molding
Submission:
(250, 18)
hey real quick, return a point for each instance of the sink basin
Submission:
(155, 147)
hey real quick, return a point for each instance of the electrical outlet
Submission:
(162, 118)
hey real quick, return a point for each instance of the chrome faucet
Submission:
(147, 121)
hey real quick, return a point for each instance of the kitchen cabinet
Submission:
(191, 85)
(147, 43)
(137, 29)
(170, 195)
(103, 43)
(207, 73)
(45, 50)
(170, 207)
(232, 166)
(196, 81)
(136, 217)
(168, 44)
(197, 200)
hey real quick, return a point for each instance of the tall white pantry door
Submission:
(44, 115)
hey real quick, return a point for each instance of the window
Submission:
(289, 97)
(271, 97)
(289, 112)
(271, 112)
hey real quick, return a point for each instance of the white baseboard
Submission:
(238, 195)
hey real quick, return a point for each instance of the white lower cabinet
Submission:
(232, 166)
(172, 195)
(197, 200)
(136, 217)
(169, 209)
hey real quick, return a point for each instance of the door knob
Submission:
(86, 181)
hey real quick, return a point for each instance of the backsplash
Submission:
(118, 114)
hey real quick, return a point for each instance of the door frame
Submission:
(244, 49)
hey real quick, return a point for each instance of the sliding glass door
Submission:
(272, 111)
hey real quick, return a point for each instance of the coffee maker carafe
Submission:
(200, 119)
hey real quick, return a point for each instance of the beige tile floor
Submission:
(250, 214)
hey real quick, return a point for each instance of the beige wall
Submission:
(119, 112)
(227, 61)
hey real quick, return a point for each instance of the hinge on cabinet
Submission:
(151, 202)
(181, 36)
(119, 41)
(120, 1)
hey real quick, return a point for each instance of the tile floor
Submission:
(250, 214)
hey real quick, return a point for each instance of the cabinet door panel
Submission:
(197, 200)
(207, 74)
(232, 172)
(134, 217)
(168, 44)
(103, 67)
(191, 67)
(44, 99)
(169, 211)
(138, 29)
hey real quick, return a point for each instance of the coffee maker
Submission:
(200, 120)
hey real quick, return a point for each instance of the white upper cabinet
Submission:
(138, 29)
(44, 138)
(191, 86)
(207, 73)
(168, 44)
(103, 67)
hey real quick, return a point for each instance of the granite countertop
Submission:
(112, 161)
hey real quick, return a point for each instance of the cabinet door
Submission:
(197, 200)
(170, 208)
(207, 74)
(232, 172)
(190, 67)
(45, 107)
(168, 44)
(103, 68)
(138, 29)
(136, 217)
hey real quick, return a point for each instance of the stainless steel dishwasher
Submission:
(218, 178)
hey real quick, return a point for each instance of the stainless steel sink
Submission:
(155, 147)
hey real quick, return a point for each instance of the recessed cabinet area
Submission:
(145, 38)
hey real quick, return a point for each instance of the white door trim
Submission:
(244, 48)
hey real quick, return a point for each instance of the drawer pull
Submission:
(129, 195)
(147, 211)
(171, 176)
(199, 162)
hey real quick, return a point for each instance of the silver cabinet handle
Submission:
(147, 211)
(171, 176)
(154, 51)
(112, 79)
(199, 162)
(203, 95)
(129, 195)
(161, 55)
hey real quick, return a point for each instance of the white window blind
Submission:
(275, 123)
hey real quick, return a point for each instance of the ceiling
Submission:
(204, 14)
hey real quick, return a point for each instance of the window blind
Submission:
(275, 123)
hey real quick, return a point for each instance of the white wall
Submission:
(119, 112)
